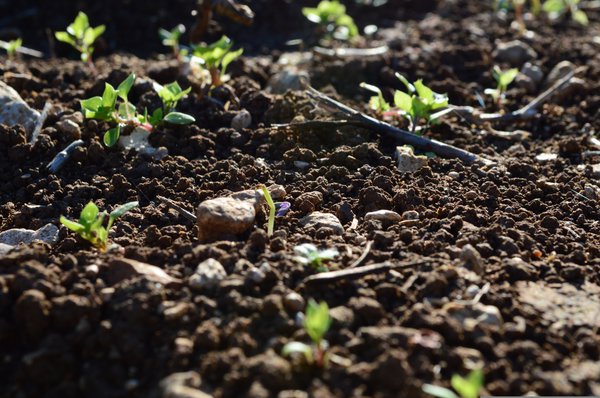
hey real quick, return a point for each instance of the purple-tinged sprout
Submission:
(282, 208)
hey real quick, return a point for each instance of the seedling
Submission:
(332, 19)
(556, 8)
(81, 36)
(468, 387)
(11, 47)
(215, 57)
(170, 38)
(125, 114)
(90, 226)
(376, 102)
(518, 6)
(503, 79)
(271, 204)
(317, 322)
(309, 254)
(419, 103)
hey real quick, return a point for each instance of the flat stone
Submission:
(13, 237)
(223, 218)
(15, 111)
(208, 274)
(408, 162)
(514, 52)
(120, 269)
(383, 215)
(318, 219)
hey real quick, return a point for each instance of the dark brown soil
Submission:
(66, 330)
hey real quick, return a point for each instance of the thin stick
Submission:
(404, 136)
(60, 159)
(354, 273)
(177, 208)
(351, 52)
(363, 256)
(40, 123)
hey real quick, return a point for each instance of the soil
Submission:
(70, 327)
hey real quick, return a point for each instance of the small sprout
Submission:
(271, 204)
(309, 254)
(503, 79)
(332, 17)
(215, 57)
(11, 47)
(468, 387)
(90, 226)
(81, 36)
(125, 114)
(377, 102)
(419, 103)
(317, 322)
(556, 8)
(170, 38)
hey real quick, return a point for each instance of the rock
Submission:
(256, 198)
(256, 275)
(13, 237)
(342, 316)
(309, 201)
(138, 141)
(533, 72)
(546, 157)
(208, 274)
(559, 71)
(4, 248)
(470, 357)
(120, 269)
(241, 120)
(318, 219)
(182, 385)
(288, 79)
(514, 52)
(367, 308)
(518, 269)
(15, 111)
(293, 302)
(383, 215)
(526, 83)
(410, 215)
(272, 370)
(472, 258)
(470, 315)
(223, 218)
(408, 162)
(69, 128)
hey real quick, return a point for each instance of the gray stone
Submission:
(288, 79)
(514, 52)
(13, 237)
(410, 215)
(69, 128)
(293, 302)
(472, 258)
(383, 215)
(318, 219)
(469, 315)
(223, 218)
(242, 120)
(208, 274)
(15, 111)
(408, 162)
(533, 72)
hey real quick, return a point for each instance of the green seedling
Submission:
(215, 57)
(317, 322)
(125, 114)
(503, 79)
(419, 103)
(81, 36)
(556, 8)
(519, 6)
(376, 102)
(271, 204)
(332, 18)
(469, 387)
(90, 225)
(309, 254)
(11, 47)
(170, 38)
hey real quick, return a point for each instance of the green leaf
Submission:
(156, 117)
(409, 87)
(127, 110)
(119, 211)
(88, 214)
(438, 391)
(347, 22)
(229, 58)
(507, 77)
(179, 118)
(97, 32)
(112, 136)
(91, 104)
(553, 6)
(65, 38)
(403, 101)
(425, 93)
(72, 225)
(125, 86)
(109, 97)
(317, 320)
(79, 25)
(580, 17)
(469, 387)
